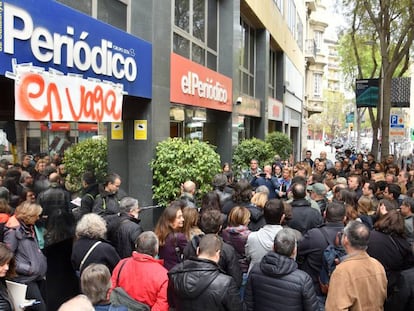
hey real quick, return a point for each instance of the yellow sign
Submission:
(140, 129)
(117, 130)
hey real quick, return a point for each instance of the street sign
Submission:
(397, 130)
(350, 117)
(396, 121)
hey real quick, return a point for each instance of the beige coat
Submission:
(358, 283)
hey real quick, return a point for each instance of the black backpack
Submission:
(332, 255)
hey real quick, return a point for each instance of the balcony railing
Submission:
(310, 50)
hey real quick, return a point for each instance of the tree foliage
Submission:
(389, 26)
(177, 161)
(281, 144)
(88, 155)
(252, 149)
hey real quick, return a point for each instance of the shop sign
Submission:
(196, 85)
(275, 109)
(249, 106)
(48, 38)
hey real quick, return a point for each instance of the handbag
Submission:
(78, 272)
(119, 297)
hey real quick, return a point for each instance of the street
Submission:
(316, 146)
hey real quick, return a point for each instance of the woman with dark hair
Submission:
(226, 170)
(277, 170)
(351, 203)
(28, 195)
(211, 200)
(241, 196)
(388, 245)
(169, 230)
(7, 271)
(59, 236)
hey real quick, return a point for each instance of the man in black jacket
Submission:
(55, 197)
(277, 283)
(304, 217)
(211, 222)
(198, 284)
(89, 193)
(124, 228)
(314, 242)
(107, 202)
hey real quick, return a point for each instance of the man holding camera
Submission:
(266, 179)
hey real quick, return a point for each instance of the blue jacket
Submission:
(271, 183)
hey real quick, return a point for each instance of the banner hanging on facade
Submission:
(51, 96)
(70, 61)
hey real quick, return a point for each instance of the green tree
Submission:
(177, 161)
(388, 26)
(252, 149)
(281, 144)
(88, 155)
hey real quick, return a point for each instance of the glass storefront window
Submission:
(187, 122)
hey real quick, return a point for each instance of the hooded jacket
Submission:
(259, 243)
(276, 283)
(31, 264)
(198, 284)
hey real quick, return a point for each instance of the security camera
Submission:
(239, 100)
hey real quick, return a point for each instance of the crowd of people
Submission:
(257, 241)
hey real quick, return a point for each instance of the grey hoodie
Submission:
(259, 243)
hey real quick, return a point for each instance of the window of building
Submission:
(247, 59)
(318, 40)
(279, 4)
(195, 31)
(187, 122)
(112, 12)
(299, 33)
(317, 84)
(272, 73)
(291, 16)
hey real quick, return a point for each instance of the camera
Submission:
(262, 174)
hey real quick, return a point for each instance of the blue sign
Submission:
(52, 36)
(395, 121)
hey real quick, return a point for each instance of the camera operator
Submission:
(266, 179)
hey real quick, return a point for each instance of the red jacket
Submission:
(145, 279)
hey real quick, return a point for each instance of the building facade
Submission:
(221, 71)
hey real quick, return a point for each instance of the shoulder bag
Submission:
(119, 297)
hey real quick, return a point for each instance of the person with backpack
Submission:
(314, 242)
(89, 193)
(359, 281)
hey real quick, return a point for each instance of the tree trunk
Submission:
(386, 110)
